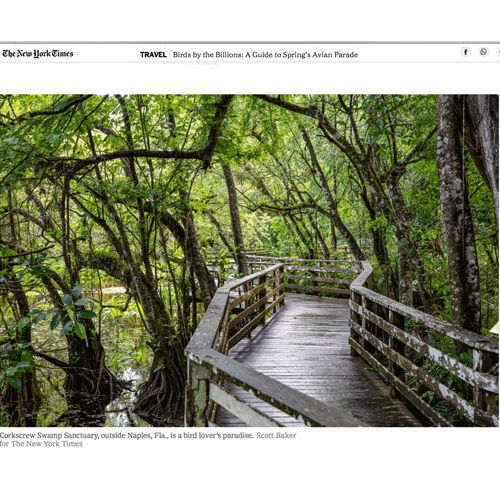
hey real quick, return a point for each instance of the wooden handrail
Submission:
(250, 300)
(322, 277)
(382, 328)
(208, 330)
(305, 409)
(400, 342)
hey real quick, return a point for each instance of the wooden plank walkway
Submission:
(305, 346)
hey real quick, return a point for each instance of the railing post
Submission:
(281, 281)
(370, 327)
(355, 318)
(261, 295)
(196, 396)
(275, 295)
(318, 274)
(398, 321)
(482, 361)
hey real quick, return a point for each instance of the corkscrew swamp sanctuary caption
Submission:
(79, 439)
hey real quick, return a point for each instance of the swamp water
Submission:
(127, 356)
(123, 360)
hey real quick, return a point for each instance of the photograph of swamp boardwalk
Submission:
(259, 260)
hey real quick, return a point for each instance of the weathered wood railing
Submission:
(408, 347)
(236, 309)
(322, 277)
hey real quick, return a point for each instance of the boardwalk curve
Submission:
(315, 358)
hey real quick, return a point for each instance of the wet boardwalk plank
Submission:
(306, 347)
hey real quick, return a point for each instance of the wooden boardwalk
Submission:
(306, 347)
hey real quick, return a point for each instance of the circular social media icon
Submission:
(465, 51)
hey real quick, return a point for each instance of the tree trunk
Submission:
(89, 386)
(239, 245)
(456, 219)
(161, 396)
(222, 234)
(481, 138)
(22, 405)
(333, 242)
(405, 275)
(192, 251)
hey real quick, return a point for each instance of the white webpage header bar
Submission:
(215, 53)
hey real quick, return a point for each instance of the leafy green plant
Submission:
(15, 360)
(72, 313)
